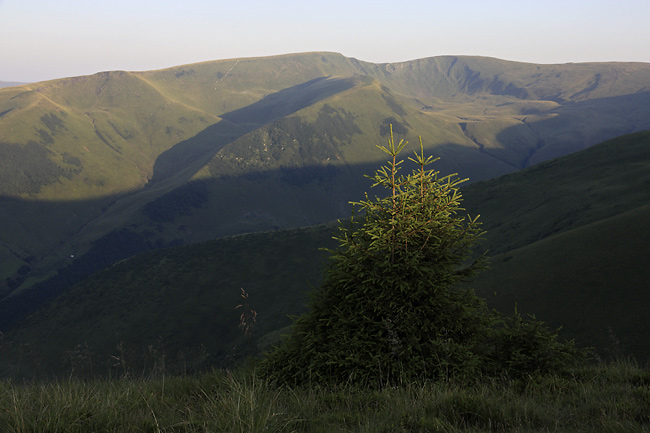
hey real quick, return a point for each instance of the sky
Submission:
(47, 39)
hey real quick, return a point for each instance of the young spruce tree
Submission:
(390, 308)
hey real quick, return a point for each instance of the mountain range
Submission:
(95, 169)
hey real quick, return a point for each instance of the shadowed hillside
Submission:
(180, 300)
(563, 194)
(593, 280)
(569, 236)
(195, 152)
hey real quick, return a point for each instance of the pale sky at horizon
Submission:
(41, 39)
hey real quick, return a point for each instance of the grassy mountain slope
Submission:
(198, 151)
(306, 167)
(181, 301)
(571, 241)
(570, 233)
(593, 280)
(91, 139)
(520, 111)
(562, 194)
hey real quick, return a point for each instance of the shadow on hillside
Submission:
(271, 277)
(573, 127)
(193, 153)
(172, 168)
(300, 196)
(284, 197)
(274, 199)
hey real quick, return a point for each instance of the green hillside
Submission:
(571, 243)
(570, 235)
(180, 302)
(593, 280)
(97, 168)
(563, 194)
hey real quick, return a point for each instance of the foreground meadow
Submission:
(612, 397)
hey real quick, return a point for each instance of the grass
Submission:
(604, 397)
(211, 402)
(195, 287)
(562, 194)
(589, 280)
